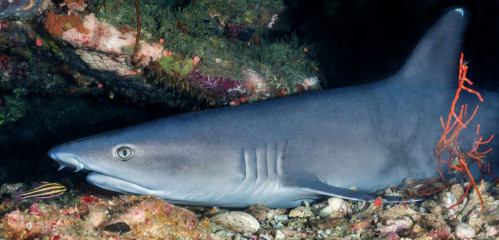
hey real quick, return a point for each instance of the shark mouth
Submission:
(66, 160)
(118, 185)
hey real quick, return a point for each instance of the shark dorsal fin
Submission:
(435, 57)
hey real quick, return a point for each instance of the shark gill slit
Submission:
(262, 165)
(281, 157)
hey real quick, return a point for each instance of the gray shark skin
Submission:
(282, 152)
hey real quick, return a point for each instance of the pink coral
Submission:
(104, 37)
(103, 46)
(257, 83)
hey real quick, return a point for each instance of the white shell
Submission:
(237, 221)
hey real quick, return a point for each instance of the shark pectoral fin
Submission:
(118, 185)
(345, 193)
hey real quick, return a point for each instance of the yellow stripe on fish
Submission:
(46, 190)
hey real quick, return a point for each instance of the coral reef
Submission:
(124, 217)
(213, 52)
(132, 217)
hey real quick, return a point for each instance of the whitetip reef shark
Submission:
(285, 151)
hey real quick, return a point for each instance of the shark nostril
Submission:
(52, 153)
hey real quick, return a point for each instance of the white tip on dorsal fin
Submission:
(460, 10)
(435, 58)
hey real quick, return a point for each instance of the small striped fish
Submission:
(44, 191)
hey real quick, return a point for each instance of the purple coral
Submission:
(217, 85)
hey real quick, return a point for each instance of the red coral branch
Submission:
(458, 159)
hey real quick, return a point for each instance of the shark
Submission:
(345, 142)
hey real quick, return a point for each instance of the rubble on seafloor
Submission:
(215, 53)
(146, 217)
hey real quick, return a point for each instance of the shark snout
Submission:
(65, 159)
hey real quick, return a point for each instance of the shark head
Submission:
(126, 160)
(104, 155)
(156, 158)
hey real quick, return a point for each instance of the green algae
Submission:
(14, 108)
(171, 65)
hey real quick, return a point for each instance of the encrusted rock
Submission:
(457, 190)
(96, 216)
(10, 188)
(336, 208)
(237, 221)
(259, 211)
(465, 231)
(392, 225)
(475, 220)
(448, 200)
(301, 212)
(398, 211)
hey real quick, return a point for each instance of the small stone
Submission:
(281, 218)
(259, 211)
(225, 233)
(214, 211)
(417, 229)
(491, 231)
(279, 235)
(465, 231)
(291, 234)
(301, 212)
(237, 221)
(273, 212)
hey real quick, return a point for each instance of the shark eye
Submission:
(124, 153)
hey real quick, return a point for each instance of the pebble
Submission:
(417, 229)
(259, 211)
(491, 231)
(465, 231)
(300, 212)
(273, 212)
(237, 221)
(279, 235)
(281, 218)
